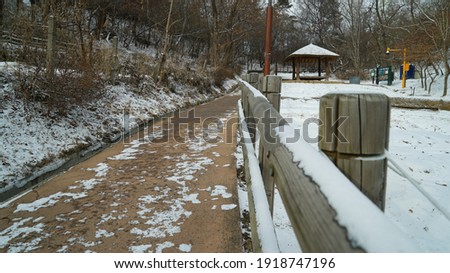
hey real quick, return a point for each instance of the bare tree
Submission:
(159, 72)
(353, 32)
(321, 19)
(226, 22)
(433, 18)
(391, 17)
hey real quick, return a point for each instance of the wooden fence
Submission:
(7, 36)
(327, 212)
(54, 44)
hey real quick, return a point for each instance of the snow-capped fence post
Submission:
(50, 46)
(253, 79)
(354, 133)
(271, 89)
(259, 85)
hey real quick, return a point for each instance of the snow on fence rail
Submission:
(327, 212)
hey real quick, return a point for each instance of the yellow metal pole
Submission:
(404, 69)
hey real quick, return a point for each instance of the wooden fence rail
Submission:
(19, 40)
(327, 212)
(52, 45)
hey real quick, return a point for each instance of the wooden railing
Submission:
(35, 42)
(9, 37)
(52, 45)
(327, 212)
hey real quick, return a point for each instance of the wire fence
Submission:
(395, 166)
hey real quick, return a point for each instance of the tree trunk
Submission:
(446, 80)
(1, 13)
(159, 72)
(228, 47)
(446, 70)
(381, 23)
(214, 34)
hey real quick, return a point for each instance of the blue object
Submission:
(410, 73)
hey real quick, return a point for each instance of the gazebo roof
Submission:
(312, 50)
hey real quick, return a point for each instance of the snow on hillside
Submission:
(31, 143)
(419, 143)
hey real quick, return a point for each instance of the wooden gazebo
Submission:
(312, 54)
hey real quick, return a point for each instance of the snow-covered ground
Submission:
(419, 143)
(31, 144)
(158, 212)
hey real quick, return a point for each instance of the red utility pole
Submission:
(268, 45)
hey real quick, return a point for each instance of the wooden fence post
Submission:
(260, 81)
(50, 65)
(115, 60)
(253, 79)
(271, 88)
(354, 133)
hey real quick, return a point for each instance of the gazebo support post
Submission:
(293, 68)
(327, 69)
(319, 68)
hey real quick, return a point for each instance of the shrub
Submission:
(72, 84)
(136, 70)
(221, 74)
(346, 74)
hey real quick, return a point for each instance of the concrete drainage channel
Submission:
(46, 173)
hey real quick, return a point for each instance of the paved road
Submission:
(172, 188)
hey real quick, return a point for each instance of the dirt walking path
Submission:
(172, 188)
